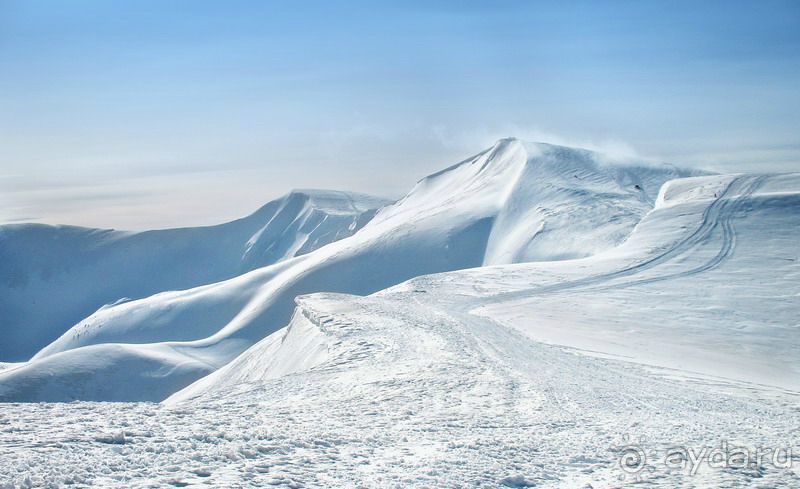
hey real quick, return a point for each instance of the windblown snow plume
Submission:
(514, 202)
(532, 316)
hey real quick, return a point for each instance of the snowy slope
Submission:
(445, 381)
(51, 277)
(684, 336)
(515, 201)
(546, 374)
(707, 284)
(411, 392)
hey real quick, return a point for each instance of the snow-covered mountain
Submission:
(545, 374)
(513, 202)
(587, 317)
(703, 251)
(51, 277)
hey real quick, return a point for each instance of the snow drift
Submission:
(706, 286)
(51, 277)
(514, 202)
(683, 334)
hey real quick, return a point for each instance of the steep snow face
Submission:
(571, 204)
(685, 335)
(410, 391)
(718, 252)
(484, 210)
(308, 341)
(307, 220)
(53, 276)
(707, 285)
(545, 202)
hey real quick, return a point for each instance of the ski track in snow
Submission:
(717, 215)
(441, 382)
(515, 202)
(446, 400)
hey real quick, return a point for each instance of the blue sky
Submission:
(156, 113)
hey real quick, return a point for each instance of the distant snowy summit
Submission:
(53, 276)
(547, 202)
(514, 202)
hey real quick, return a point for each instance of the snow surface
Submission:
(682, 333)
(51, 277)
(568, 202)
(721, 299)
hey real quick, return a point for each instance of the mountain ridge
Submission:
(78, 270)
(510, 203)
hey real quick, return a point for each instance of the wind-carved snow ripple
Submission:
(719, 214)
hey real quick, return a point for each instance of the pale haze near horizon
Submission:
(138, 115)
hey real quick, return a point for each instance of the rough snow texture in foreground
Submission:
(445, 381)
(407, 394)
